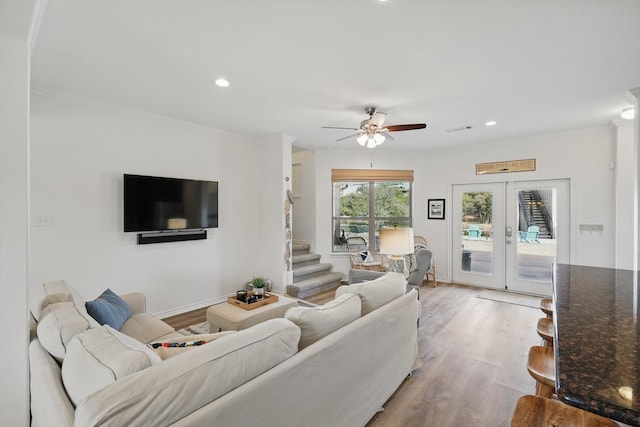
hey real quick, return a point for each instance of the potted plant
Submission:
(260, 285)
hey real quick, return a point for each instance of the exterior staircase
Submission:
(310, 276)
(535, 212)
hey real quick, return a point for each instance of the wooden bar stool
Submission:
(546, 305)
(535, 411)
(542, 367)
(545, 330)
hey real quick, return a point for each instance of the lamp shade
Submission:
(396, 241)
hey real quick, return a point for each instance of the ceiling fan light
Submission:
(378, 138)
(371, 143)
(362, 139)
(628, 113)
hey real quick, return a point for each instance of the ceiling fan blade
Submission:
(335, 127)
(386, 135)
(397, 128)
(347, 137)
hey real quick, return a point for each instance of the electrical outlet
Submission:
(42, 221)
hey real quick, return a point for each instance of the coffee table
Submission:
(228, 317)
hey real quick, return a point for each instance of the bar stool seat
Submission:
(535, 411)
(542, 367)
(546, 305)
(545, 330)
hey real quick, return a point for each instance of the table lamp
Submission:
(396, 242)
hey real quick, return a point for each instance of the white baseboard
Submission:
(190, 307)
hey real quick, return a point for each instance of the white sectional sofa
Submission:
(333, 365)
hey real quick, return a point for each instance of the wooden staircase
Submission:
(310, 276)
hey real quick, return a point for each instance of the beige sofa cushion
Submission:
(183, 343)
(72, 294)
(377, 292)
(146, 328)
(173, 389)
(59, 323)
(99, 357)
(50, 405)
(317, 322)
(47, 300)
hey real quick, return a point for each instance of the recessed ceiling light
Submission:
(491, 123)
(628, 113)
(222, 82)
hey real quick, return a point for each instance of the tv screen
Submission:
(153, 203)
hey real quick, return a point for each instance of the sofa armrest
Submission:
(136, 302)
(359, 276)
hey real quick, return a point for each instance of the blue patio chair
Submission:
(474, 232)
(531, 235)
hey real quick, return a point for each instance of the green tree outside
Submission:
(391, 200)
(477, 207)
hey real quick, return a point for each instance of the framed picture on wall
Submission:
(435, 209)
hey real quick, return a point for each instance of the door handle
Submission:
(508, 232)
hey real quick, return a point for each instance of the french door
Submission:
(507, 235)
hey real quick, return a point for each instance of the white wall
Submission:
(14, 190)
(78, 156)
(270, 248)
(304, 208)
(582, 156)
(624, 192)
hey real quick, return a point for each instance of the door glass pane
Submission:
(536, 234)
(477, 233)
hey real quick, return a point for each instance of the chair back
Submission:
(419, 240)
(423, 262)
(356, 244)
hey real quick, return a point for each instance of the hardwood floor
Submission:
(474, 354)
(184, 320)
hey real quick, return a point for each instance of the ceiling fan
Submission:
(372, 131)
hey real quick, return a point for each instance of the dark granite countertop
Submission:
(597, 339)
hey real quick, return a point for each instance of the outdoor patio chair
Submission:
(531, 235)
(355, 243)
(474, 232)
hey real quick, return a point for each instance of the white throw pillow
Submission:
(46, 300)
(316, 323)
(59, 323)
(378, 292)
(62, 287)
(99, 357)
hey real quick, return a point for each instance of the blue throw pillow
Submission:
(109, 309)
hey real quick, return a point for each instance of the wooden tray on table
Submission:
(267, 299)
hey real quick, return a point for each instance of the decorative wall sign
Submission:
(525, 165)
(435, 209)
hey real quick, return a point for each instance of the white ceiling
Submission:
(535, 66)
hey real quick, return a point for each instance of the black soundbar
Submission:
(171, 236)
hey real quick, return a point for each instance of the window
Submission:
(366, 200)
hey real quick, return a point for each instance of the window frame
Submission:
(372, 177)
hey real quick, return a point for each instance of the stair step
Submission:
(310, 271)
(314, 285)
(304, 260)
(300, 248)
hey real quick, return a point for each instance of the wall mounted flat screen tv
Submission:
(153, 203)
